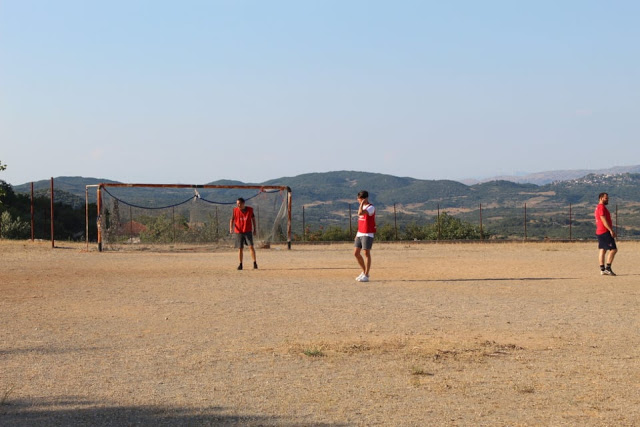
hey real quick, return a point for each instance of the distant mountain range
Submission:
(330, 197)
(542, 178)
(422, 195)
(537, 178)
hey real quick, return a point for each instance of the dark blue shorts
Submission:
(606, 241)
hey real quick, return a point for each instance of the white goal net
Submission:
(186, 217)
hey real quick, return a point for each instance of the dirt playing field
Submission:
(505, 334)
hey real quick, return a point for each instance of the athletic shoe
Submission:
(240, 267)
(609, 272)
(255, 265)
(363, 278)
(359, 277)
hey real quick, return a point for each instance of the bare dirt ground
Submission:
(513, 334)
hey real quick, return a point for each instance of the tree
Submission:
(446, 227)
(2, 188)
(452, 228)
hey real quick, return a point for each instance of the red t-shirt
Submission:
(601, 210)
(242, 220)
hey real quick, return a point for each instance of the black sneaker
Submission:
(240, 267)
(255, 265)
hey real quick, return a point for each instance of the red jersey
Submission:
(242, 221)
(601, 210)
(367, 223)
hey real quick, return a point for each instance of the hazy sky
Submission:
(187, 91)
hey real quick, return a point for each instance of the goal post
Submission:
(147, 210)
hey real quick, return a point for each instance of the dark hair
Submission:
(601, 195)
(240, 199)
(364, 194)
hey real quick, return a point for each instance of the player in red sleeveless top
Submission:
(243, 224)
(365, 235)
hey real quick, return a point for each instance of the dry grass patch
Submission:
(435, 350)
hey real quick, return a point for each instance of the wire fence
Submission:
(562, 223)
(336, 221)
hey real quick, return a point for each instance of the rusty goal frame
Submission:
(99, 188)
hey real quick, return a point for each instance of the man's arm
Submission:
(607, 225)
(231, 225)
(361, 208)
(253, 222)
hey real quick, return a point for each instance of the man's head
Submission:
(363, 195)
(240, 202)
(603, 198)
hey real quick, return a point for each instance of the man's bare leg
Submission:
(360, 260)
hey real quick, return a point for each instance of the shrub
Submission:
(13, 229)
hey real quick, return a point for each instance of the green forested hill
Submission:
(327, 198)
(342, 186)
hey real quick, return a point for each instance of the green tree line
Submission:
(15, 217)
(443, 227)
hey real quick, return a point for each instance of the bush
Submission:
(333, 233)
(386, 233)
(446, 227)
(13, 229)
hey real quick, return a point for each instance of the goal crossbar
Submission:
(99, 187)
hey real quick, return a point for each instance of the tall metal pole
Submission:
(86, 216)
(481, 231)
(395, 220)
(289, 198)
(53, 245)
(304, 230)
(32, 215)
(99, 217)
(525, 221)
(438, 221)
(570, 235)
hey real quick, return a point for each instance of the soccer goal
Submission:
(183, 217)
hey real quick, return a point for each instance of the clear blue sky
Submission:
(192, 91)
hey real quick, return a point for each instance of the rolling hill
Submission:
(328, 198)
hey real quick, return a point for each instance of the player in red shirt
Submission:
(606, 235)
(365, 235)
(243, 224)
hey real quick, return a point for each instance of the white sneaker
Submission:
(363, 278)
(359, 277)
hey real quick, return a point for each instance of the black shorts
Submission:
(243, 239)
(606, 241)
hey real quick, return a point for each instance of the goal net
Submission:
(186, 217)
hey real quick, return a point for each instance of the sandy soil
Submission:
(444, 334)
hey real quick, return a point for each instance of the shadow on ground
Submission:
(79, 412)
(494, 279)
